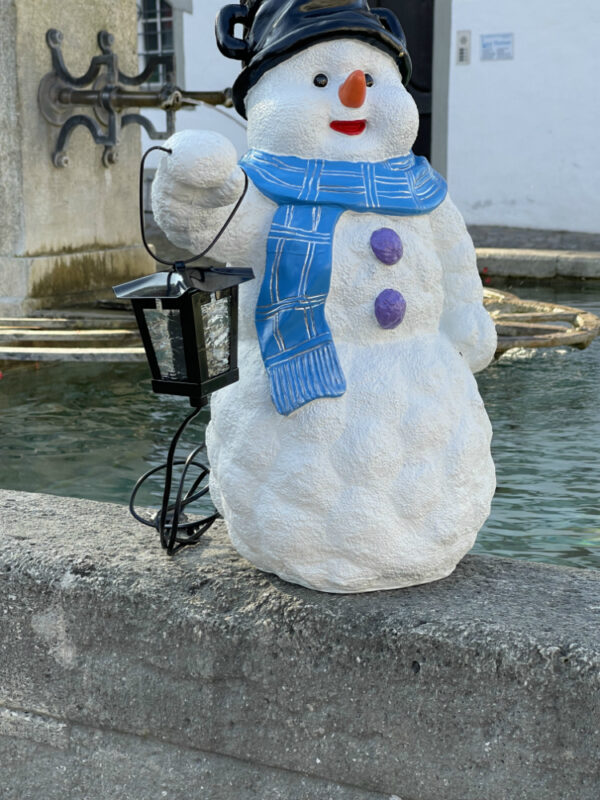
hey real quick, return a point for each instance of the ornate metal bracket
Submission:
(103, 87)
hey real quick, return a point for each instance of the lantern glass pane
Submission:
(217, 334)
(164, 327)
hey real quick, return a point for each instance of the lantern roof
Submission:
(171, 284)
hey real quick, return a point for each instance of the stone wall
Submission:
(127, 674)
(59, 223)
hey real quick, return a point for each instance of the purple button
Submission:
(387, 245)
(390, 308)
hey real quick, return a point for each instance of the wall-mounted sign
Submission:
(497, 46)
(463, 47)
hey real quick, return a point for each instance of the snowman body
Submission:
(388, 484)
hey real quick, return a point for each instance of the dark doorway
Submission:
(416, 17)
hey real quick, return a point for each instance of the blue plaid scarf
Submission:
(294, 337)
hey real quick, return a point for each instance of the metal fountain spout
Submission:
(108, 92)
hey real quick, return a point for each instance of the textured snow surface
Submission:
(384, 487)
(387, 485)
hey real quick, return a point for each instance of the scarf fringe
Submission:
(306, 377)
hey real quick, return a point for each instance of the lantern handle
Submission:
(180, 263)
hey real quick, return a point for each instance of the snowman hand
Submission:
(465, 320)
(200, 178)
(202, 164)
(471, 330)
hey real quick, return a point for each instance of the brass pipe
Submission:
(121, 98)
(212, 98)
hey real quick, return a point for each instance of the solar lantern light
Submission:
(188, 321)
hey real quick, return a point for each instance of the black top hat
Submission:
(277, 29)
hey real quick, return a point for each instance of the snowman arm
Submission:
(194, 191)
(464, 320)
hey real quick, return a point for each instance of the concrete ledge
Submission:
(533, 238)
(542, 264)
(125, 674)
(82, 763)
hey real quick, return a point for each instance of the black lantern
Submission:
(188, 322)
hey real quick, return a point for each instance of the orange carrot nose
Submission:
(353, 91)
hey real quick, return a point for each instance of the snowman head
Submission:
(340, 99)
(321, 78)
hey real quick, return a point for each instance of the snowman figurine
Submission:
(354, 452)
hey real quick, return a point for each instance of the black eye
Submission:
(321, 80)
(368, 79)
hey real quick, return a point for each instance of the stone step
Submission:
(537, 263)
(72, 354)
(24, 336)
(533, 238)
(71, 335)
(71, 322)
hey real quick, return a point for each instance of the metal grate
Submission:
(155, 32)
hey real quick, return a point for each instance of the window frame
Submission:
(176, 50)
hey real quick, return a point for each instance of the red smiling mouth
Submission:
(350, 128)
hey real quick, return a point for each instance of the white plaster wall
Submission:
(205, 69)
(524, 135)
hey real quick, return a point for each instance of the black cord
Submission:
(175, 534)
(143, 226)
